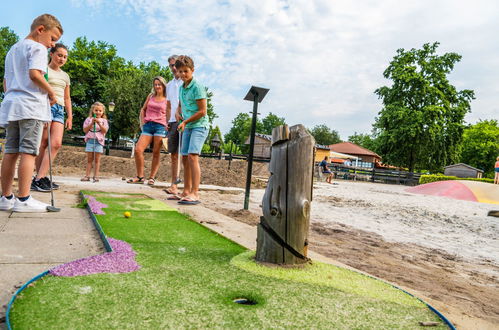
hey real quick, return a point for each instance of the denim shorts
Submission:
(57, 113)
(496, 169)
(23, 136)
(94, 145)
(152, 128)
(193, 140)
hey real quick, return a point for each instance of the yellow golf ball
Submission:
(127, 214)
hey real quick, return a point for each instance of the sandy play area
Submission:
(445, 250)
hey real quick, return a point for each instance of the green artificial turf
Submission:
(190, 277)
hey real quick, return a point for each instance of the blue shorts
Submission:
(57, 113)
(497, 169)
(153, 129)
(93, 145)
(193, 140)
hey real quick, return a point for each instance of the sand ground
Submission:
(444, 250)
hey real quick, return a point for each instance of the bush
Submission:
(440, 177)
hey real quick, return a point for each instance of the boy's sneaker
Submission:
(55, 186)
(29, 205)
(40, 185)
(6, 204)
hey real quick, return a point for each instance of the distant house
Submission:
(366, 157)
(462, 170)
(262, 145)
(321, 151)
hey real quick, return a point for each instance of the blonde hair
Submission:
(162, 81)
(48, 22)
(97, 104)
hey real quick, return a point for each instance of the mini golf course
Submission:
(167, 271)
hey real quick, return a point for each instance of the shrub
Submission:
(440, 177)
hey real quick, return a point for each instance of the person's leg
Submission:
(196, 141)
(173, 148)
(156, 153)
(24, 174)
(195, 170)
(174, 172)
(56, 133)
(90, 160)
(142, 144)
(97, 164)
(496, 178)
(43, 148)
(7, 172)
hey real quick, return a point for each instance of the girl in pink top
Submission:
(153, 124)
(95, 128)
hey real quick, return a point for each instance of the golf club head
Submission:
(493, 213)
(177, 181)
(51, 208)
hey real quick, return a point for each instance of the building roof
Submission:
(465, 165)
(352, 149)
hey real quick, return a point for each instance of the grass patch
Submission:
(188, 280)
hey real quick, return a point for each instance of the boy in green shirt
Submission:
(192, 110)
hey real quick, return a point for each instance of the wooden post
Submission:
(283, 230)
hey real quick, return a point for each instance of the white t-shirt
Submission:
(172, 93)
(23, 99)
(58, 80)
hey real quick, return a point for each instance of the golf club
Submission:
(51, 207)
(179, 158)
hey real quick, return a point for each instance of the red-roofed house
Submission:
(367, 158)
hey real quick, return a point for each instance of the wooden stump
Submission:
(283, 230)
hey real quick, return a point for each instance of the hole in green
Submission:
(244, 301)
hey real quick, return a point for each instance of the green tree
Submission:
(364, 140)
(241, 128)
(211, 135)
(211, 109)
(271, 121)
(325, 135)
(481, 145)
(91, 65)
(422, 120)
(7, 39)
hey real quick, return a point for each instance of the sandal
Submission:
(85, 178)
(96, 179)
(151, 181)
(137, 179)
(169, 191)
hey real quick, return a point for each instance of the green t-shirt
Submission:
(188, 96)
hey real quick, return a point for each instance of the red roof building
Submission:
(367, 158)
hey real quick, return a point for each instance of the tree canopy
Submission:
(325, 135)
(7, 39)
(364, 140)
(422, 120)
(481, 145)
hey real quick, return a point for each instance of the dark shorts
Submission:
(326, 172)
(173, 137)
(497, 169)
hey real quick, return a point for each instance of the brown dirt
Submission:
(72, 161)
(470, 298)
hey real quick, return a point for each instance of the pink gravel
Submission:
(120, 260)
(95, 205)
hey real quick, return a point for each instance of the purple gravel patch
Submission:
(120, 260)
(95, 205)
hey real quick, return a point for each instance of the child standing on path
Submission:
(193, 110)
(95, 128)
(59, 81)
(153, 118)
(25, 109)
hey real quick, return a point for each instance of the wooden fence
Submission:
(371, 174)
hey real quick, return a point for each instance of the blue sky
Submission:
(321, 59)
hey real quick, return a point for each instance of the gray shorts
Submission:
(23, 136)
(173, 137)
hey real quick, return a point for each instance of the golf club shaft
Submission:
(49, 126)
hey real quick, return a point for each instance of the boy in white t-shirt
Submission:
(25, 109)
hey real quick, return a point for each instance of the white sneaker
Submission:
(6, 204)
(29, 205)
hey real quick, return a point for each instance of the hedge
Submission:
(440, 177)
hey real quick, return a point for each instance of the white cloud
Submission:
(321, 59)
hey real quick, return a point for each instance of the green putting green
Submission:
(190, 277)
